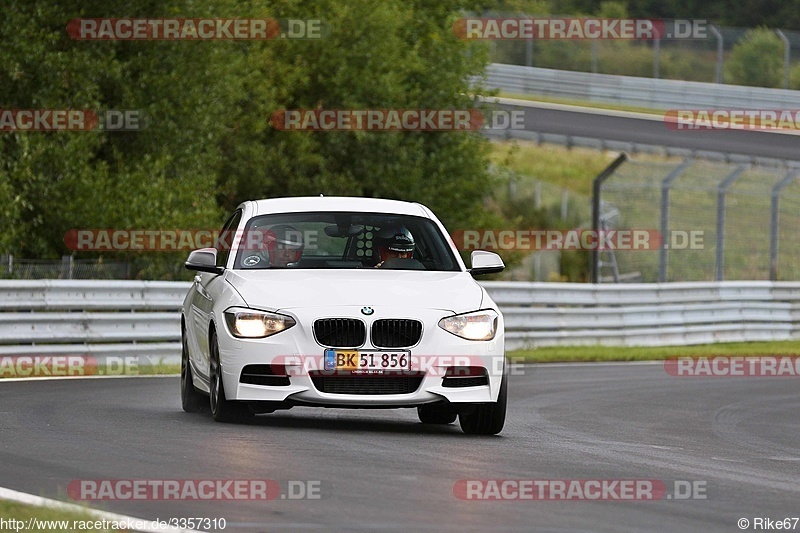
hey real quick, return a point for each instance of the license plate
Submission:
(366, 361)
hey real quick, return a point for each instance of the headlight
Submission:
(252, 324)
(477, 326)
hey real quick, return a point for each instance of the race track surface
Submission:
(594, 124)
(384, 471)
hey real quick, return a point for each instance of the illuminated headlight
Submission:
(477, 326)
(252, 324)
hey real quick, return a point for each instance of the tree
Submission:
(757, 60)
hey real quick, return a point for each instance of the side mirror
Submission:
(204, 260)
(485, 263)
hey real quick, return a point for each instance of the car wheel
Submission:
(487, 418)
(191, 400)
(222, 409)
(436, 414)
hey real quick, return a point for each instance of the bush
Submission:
(756, 60)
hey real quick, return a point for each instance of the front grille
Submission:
(381, 384)
(265, 375)
(396, 333)
(340, 332)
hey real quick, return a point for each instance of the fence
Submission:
(697, 59)
(140, 319)
(635, 91)
(66, 268)
(718, 221)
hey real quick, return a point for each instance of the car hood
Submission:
(295, 289)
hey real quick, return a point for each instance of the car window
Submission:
(226, 237)
(349, 240)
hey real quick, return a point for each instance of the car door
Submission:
(205, 287)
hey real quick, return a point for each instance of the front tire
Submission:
(191, 400)
(487, 418)
(222, 409)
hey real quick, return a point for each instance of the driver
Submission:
(284, 243)
(394, 242)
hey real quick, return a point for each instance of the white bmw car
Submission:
(342, 302)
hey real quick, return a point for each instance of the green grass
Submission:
(582, 103)
(19, 511)
(611, 353)
(157, 369)
(572, 169)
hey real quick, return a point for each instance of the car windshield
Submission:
(349, 240)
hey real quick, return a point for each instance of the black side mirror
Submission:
(204, 260)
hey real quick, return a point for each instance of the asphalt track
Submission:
(384, 471)
(633, 128)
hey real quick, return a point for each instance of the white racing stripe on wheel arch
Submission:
(38, 501)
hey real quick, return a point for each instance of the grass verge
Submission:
(45, 519)
(582, 103)
(558, 354)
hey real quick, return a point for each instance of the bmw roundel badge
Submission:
(367, 310)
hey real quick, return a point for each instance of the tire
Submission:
(487, 418)
(191, 400)
(436, 414)
(222, 409)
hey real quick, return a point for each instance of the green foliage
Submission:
(757, 60)
(208, 144)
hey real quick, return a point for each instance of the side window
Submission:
(225, 240)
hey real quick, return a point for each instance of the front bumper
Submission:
(299, 353)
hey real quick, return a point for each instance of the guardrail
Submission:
(106, 319)
(633, 91)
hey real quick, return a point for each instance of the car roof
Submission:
(337, 203)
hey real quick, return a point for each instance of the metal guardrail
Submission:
(106, 319)
(633, 91)
(647, 314)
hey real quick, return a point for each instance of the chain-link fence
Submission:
(715, 221)
(66, 268)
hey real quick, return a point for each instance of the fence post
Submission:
(594, 56)
(597, 185)
(665, 185)
(720, 53)
(529, 52)
(721, 191)
(656, 53)
(773, 227)
(787, 51)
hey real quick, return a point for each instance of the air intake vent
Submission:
(265, 375)
(367, 384)
(340, 332)
(396, 333)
